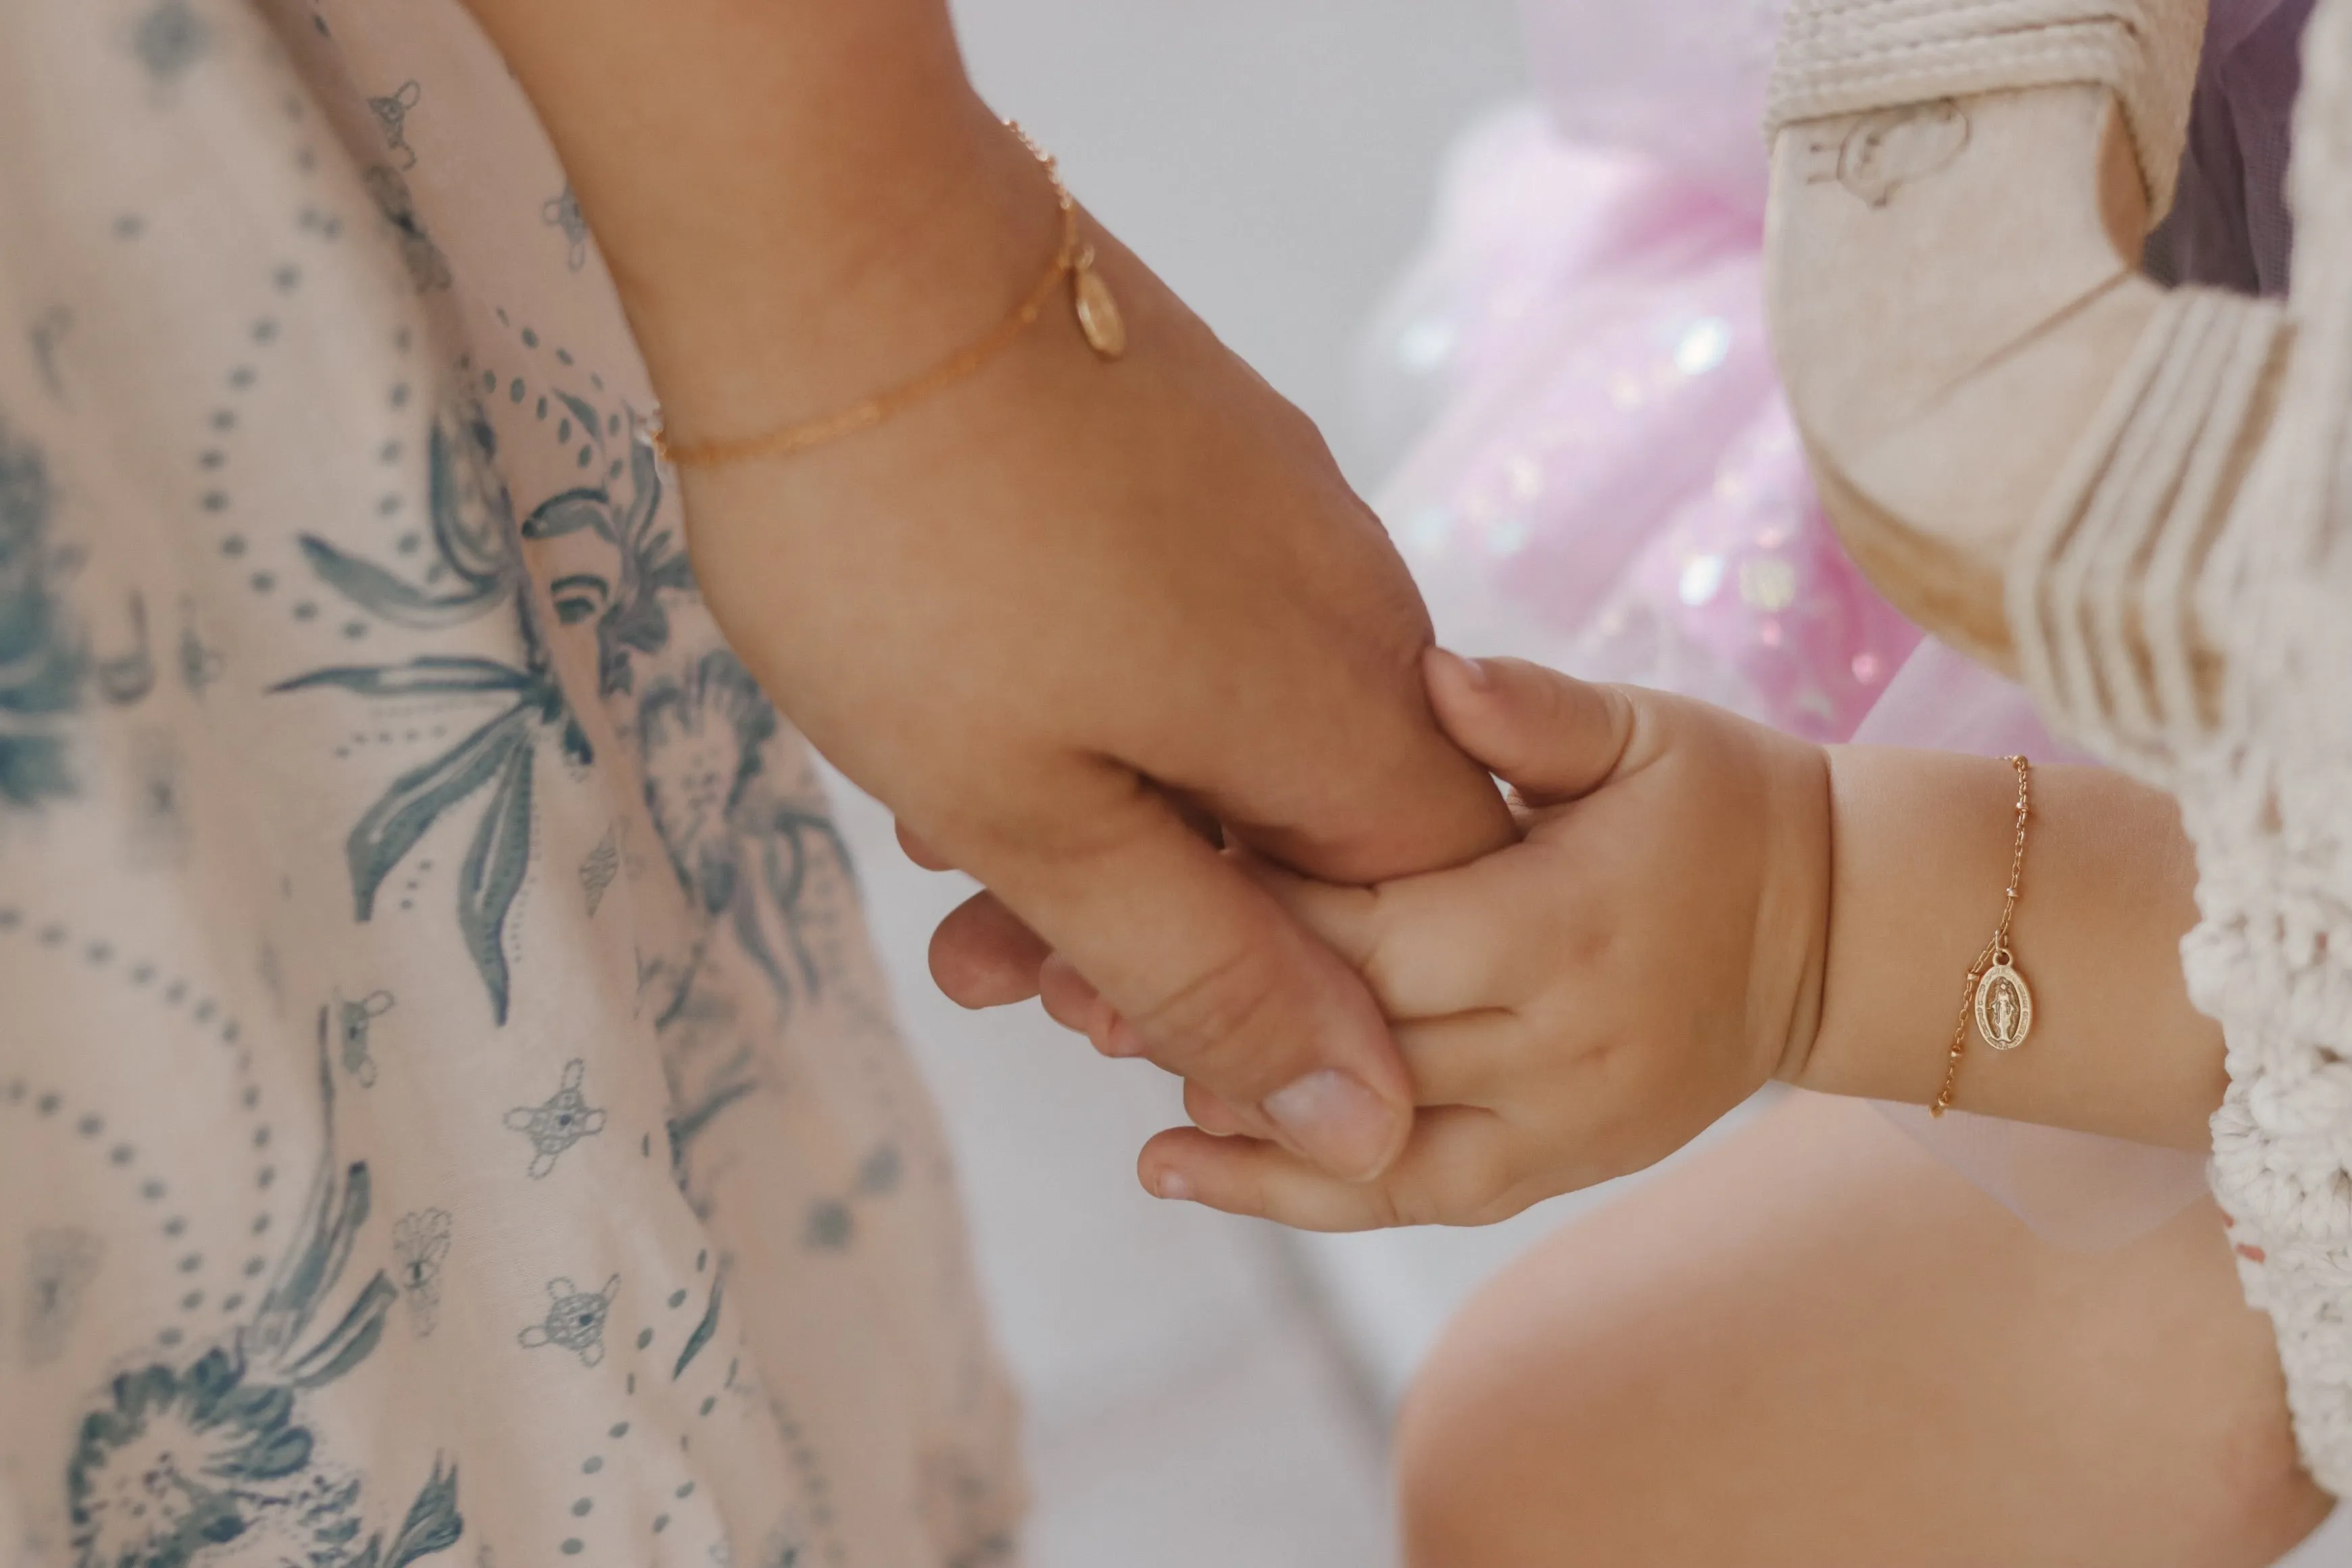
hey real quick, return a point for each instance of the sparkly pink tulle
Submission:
(1601, 474)
(1604, 477)
(1611, 484)
(1609, 481)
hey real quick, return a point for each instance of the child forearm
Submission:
(1921, 844)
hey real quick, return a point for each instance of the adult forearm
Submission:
(1922, 843)
(798, 199)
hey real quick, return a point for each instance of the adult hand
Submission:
(1048, 614)
(1580, 1003)
(1070, 607)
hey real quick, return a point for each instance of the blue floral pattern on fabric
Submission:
(565, 1119)
(474, 541)
(176, 1459)
(43, 664)
(574, 1320)
(379, 800)
(420, 1242)
(743, 855)
(49, 668)
(169, 40)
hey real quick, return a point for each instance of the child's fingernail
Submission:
(1172, 1187)
(1334, 1119)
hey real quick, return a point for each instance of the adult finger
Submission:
(1214, 1114)
(1548, 735)
(1459, 1058)
(1071, 1001)
(1464, 1058)
(1457, 1170)
(918, 850)
(985, 956)
(1220, 982)
(1428, 946)
(1472, 1057)
(1468, 1059)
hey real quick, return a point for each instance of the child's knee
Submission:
(1499, 1432)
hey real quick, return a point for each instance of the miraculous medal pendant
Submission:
(1100, 316)
(2004, 1007)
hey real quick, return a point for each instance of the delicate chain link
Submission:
(1996, 952)
(1073, 256)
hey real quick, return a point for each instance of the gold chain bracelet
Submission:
(1091, 301)
(1996, 999)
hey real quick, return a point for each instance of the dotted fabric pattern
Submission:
(449, 1113)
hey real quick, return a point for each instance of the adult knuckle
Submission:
(1218, 1019)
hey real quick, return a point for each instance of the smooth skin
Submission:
(1812, 1343)
(1698, 906)
(1055, 616)
(1066, 613)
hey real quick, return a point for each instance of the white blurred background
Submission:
(1202, 1390)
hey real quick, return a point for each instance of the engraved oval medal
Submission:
(2005, 1007)
(1098, 313)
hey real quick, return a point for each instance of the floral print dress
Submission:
(448, 1111)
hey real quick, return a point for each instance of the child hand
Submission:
(1580, 1003)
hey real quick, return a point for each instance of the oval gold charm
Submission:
(1098, 313)
(2005, 1007)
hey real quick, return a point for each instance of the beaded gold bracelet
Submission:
(1091, 301)
(1996, 999)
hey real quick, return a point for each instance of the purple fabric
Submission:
(2229, 226)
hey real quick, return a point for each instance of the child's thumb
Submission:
(1548, 735)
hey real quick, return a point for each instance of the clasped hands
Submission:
(1572, 1006)
(1120, 643)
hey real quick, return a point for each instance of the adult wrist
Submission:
(797, 307)
(796, 202)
